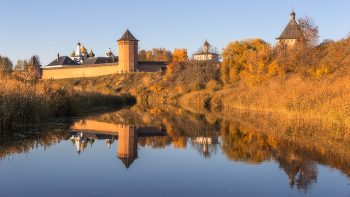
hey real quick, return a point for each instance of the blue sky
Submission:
(48, 27)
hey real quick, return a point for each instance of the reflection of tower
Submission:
(80, 140)
(109, 142)
(127, 145)
(206, 142)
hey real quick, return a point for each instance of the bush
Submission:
(195, 86)
(213, 85)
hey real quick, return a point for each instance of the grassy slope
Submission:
(323, 98)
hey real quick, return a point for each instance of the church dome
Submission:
(91, 54)
(83, 49)
(73, 54)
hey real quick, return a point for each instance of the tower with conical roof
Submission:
(127, 144)
(291, 33)
(128, 52)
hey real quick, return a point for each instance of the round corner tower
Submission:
(128, 52)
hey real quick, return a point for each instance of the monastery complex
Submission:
(82, 64)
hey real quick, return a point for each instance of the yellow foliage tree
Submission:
(235, 57)
(180, 55)
(176, 55)
(183, 55)
(260, 67)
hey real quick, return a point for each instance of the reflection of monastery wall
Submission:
(97, 126)
(103, 127)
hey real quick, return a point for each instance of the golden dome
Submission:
(83, 50)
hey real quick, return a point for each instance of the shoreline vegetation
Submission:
(314, 87)
(24, 101)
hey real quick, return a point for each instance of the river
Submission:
(169, 151)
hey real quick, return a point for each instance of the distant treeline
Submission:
(161, 54)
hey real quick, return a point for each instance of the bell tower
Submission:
(128, 52)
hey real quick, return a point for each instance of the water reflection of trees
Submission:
(21, 142)
(157, 142)
(244, 144)
(247, 137)
(297, 148)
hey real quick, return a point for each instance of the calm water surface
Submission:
(157, 152)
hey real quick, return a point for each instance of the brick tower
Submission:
(127, 144)
(128, 52)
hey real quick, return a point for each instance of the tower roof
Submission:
(128, 36)
(206, 43)
(63, 60)
(291, 31)
(127, 161)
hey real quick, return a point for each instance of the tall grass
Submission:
(324, 99)
(27, 101)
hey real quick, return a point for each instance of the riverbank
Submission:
(299, 81)
(321, 98)
(31, 101)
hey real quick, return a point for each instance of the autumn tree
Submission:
(235, 57)
(155, 54)
(142, 55)
(22, 65)
(149, 56)
(261, 65)
(308, 31)
(176, 55)
(180, 55)
(6, 64)
(161, 54)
